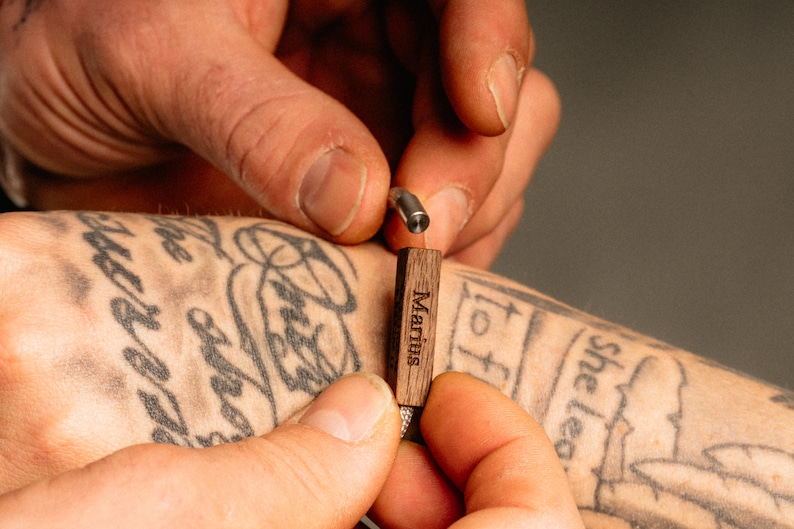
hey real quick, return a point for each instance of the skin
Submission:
(218, 106)
(324, 471)
(196, 332)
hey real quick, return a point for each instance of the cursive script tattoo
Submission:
(279, 324)
(296, 277)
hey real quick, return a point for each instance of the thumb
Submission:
(300, 153)
(323, 472)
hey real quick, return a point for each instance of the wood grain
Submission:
(413, 334)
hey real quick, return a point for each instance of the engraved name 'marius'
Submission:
(416, 339)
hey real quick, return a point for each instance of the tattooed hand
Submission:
(294, 110)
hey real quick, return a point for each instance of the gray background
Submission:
(667, 201)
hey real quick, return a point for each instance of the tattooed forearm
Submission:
(650, 436)
(198, 331)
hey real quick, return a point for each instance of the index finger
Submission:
(485, 48)
(495, 453)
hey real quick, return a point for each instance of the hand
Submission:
(325, 470)
(146, 106)
(322, 472)
(485, 457)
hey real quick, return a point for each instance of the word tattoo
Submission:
(481, 321)
(597, 357)
(175, 231)
(297, 277)
(107, 238)
(288, 299)
(656, 484)
(612, 392)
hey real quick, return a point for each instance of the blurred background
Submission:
(666, 203)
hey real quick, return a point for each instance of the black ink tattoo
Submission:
(618, 449)
(618, 420)
(481, 321)
(296, 277)
(175, 231)
(229, 379)
(30, 7)
(784, 399)
(110, 256)
(105, 235)
(560, 309)
(735, 490)
(582, 381)
(290, 327)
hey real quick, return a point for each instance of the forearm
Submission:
(125, 329)
(649, 435)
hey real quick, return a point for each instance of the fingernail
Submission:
(504, 81)
(331, 191)
(449, 211)
(350, 408)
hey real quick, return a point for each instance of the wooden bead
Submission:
(413, 333)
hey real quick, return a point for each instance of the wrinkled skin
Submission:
(219, 106)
